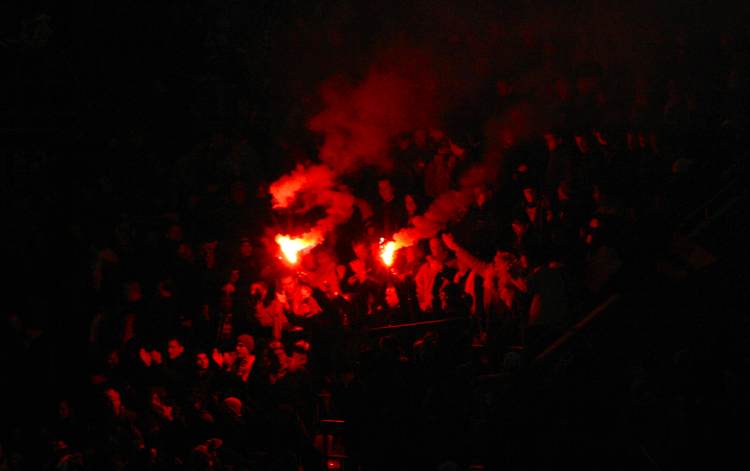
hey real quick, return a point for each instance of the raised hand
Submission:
(144, 356)
(156, 356)
(449, 241)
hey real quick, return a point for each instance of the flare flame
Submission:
(292, 246)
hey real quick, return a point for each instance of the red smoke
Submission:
(448, 207)
(307, 188)
(359, 122)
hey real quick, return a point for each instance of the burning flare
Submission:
(387, 251)
(292, 246)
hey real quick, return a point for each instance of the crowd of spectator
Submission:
(207, 351)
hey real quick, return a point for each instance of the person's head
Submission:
(391, 296)
(414, 253)
(411, 205)
(245, 346)
(112, 398)
(246, 248)
(582, 142)
(288, 284)
(502, 261)
(520, 224)
(166, 288)
(201, 361)
(552, 140)
(592, 232)
(299, 357)
(174, 232)
(386, 190)
(174, 348)
(507, 138)
(185, 252)
(305, 291)
(529, 194)
(208, 252)
(504, 88)
(437, 250)
(596, 193)
(360, 250)
(64, 410)
(233, 405)
(238, 193)
(482, 194)
(113, 358)
(563, 191)
(133, 291)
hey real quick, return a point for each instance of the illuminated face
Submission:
(201, 361)
(63, 409)
(242, 351)
(519, 228)
(507, 138)
(385, 189)
(113, 359)
(583, 144)
(502, 262)
(175, 232)
(246, 249)
(437, 250)
(592, 230)
(411, 205)
(174, 349)
(360, 250)
(551, 141)
(529, 194)
(287, 284)
(133, 293)
(503, 88)
(391, 296)
(480, 196)
(113, 400)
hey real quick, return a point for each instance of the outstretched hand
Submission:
(156, 356)
(144, 356)
(217, 357)
(449, 241)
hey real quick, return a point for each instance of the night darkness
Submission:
(559, 187)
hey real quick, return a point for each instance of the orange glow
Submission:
(387, 252)
(292, 246)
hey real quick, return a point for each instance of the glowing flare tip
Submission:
(292, 246)
(387, 252)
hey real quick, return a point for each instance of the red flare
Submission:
(387, 251)
(292, 246)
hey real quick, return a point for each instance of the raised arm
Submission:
(462, 254)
